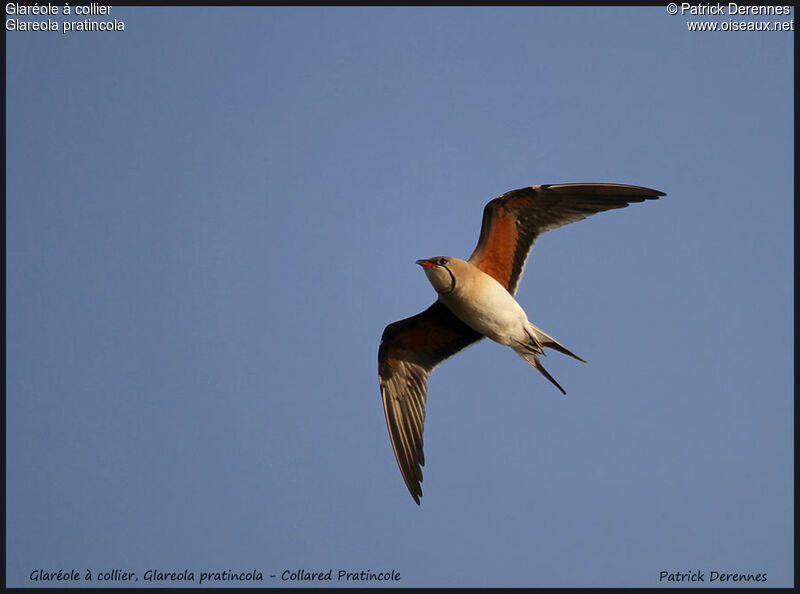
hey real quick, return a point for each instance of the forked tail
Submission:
(543, 339)
(531, 350)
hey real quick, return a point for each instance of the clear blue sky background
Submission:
(212, 216)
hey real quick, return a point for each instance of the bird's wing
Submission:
(410, 349)
(513, 221)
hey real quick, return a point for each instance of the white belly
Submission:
(486, 306)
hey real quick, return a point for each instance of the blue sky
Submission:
(212, 215)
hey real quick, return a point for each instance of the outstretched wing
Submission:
(410, 349)
(513, 221)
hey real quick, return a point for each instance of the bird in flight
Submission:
(476, 300)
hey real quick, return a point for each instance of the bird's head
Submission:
(441, 272)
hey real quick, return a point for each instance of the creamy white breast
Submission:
(487, 307)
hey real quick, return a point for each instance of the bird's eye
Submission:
(442, 261)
